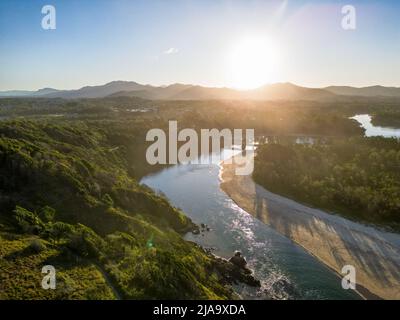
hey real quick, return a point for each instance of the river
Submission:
(373, 131)
(285, 269)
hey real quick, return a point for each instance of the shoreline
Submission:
(333, 240)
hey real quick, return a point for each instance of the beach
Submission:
(334, 240)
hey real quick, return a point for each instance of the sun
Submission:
(253, 62)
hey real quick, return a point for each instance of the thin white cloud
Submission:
(171, 51)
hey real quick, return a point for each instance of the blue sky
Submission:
(190, 41)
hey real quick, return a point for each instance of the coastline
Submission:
(333, 240)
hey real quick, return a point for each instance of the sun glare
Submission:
(253, 63)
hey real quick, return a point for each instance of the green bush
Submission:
(28, 221)
(37, 246)
(47, 214)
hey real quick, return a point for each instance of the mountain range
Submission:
(277, 91)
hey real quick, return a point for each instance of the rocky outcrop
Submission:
(235, 272)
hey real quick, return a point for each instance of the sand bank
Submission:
(335, 241)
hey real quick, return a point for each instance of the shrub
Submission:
(28, 221)
(60, 230)
(37, 246)
(47, 214)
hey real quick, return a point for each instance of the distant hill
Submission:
(277, 91)
(204, 93)
(15, 93)
(99, 91)
(22, 93)
(45, 91)
(180, 92)
(288, 91)
(154, 93)
(372, 91)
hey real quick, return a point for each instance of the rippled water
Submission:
(286, 270)
(373, 131)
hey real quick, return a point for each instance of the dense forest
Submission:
(358, 177)
(70, 197)
(387, 118)
(266, 117)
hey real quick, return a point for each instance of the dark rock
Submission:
(238, 260)
(232, 274)
(209, 250)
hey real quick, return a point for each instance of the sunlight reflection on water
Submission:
(286, 270)
(375, 131)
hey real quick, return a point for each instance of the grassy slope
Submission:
(21, 277)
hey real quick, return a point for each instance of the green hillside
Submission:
(69, 199)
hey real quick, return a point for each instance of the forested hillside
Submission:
(359, 177)
(68, 199)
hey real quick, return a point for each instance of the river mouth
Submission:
(285, 269)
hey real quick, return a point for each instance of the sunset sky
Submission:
(208, 42)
